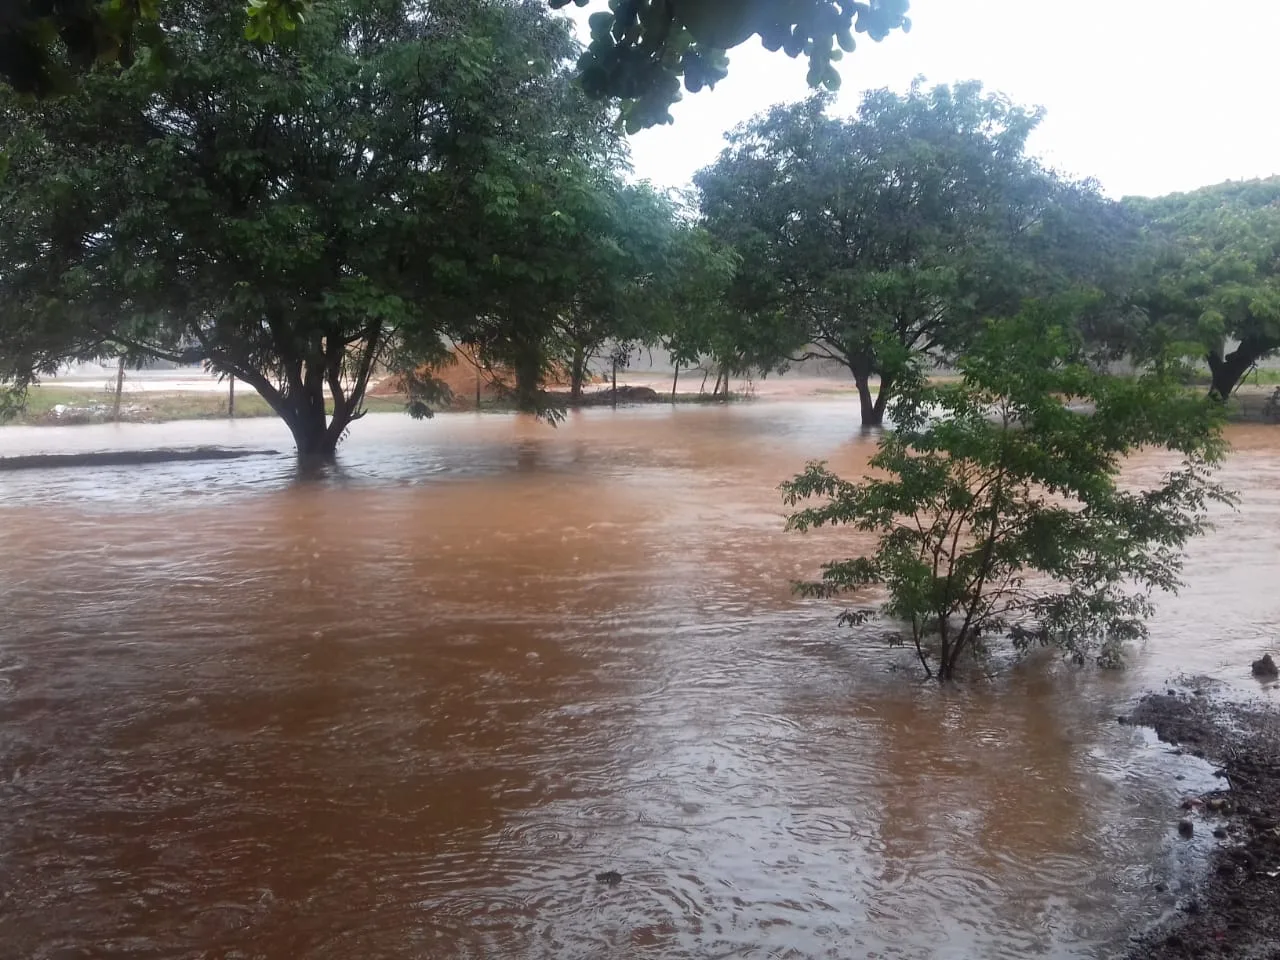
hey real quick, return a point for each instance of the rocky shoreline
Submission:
(1236, 910)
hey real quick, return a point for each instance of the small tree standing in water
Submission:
(1000, 510)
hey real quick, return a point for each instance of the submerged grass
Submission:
(52, 405)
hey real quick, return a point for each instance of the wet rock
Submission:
(1234, 910)
(1186, 829)
(611, 877)
(1246, 860)
(1162, 888)
(1216, 804)
(1265, 668)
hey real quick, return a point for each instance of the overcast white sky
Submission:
(1148, 96)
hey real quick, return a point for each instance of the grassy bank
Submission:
(64, 406)
(68, 406)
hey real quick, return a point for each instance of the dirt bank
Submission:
(1236, 912)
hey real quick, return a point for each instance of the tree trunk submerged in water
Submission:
(869, 416)
(528, 373)
(304, 401)
(577, 372)
(316, 434)
(1227, 370)
(873, 408)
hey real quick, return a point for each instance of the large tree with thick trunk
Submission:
(281, 212)
(1213, 282)
(880, 238)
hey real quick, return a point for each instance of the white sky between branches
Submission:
(1148, 96)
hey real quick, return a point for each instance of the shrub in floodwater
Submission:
(998, 508)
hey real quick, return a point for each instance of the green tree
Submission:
(1214, 276)
(708, 328)
(544, 271)
(1000, 510)
(585, 261)
(875, 239)
(280, 212)
(626, 275)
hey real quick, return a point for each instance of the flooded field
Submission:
(412, 709)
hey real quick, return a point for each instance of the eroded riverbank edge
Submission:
(127, 458)
(1235, 912)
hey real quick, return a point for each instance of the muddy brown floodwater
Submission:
(412, 709)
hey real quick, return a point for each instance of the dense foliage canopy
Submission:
(880, 238)
(639, 52)
(300, 215)
(290, 215)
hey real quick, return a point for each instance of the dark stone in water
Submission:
(611, 877)
(1220, 833)
(1265, 668)
(1186, 828)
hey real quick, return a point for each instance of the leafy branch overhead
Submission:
(640, 50)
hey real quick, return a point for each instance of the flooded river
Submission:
(413, 709)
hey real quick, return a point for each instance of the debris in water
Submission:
(611, 877)
(1265, 668)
